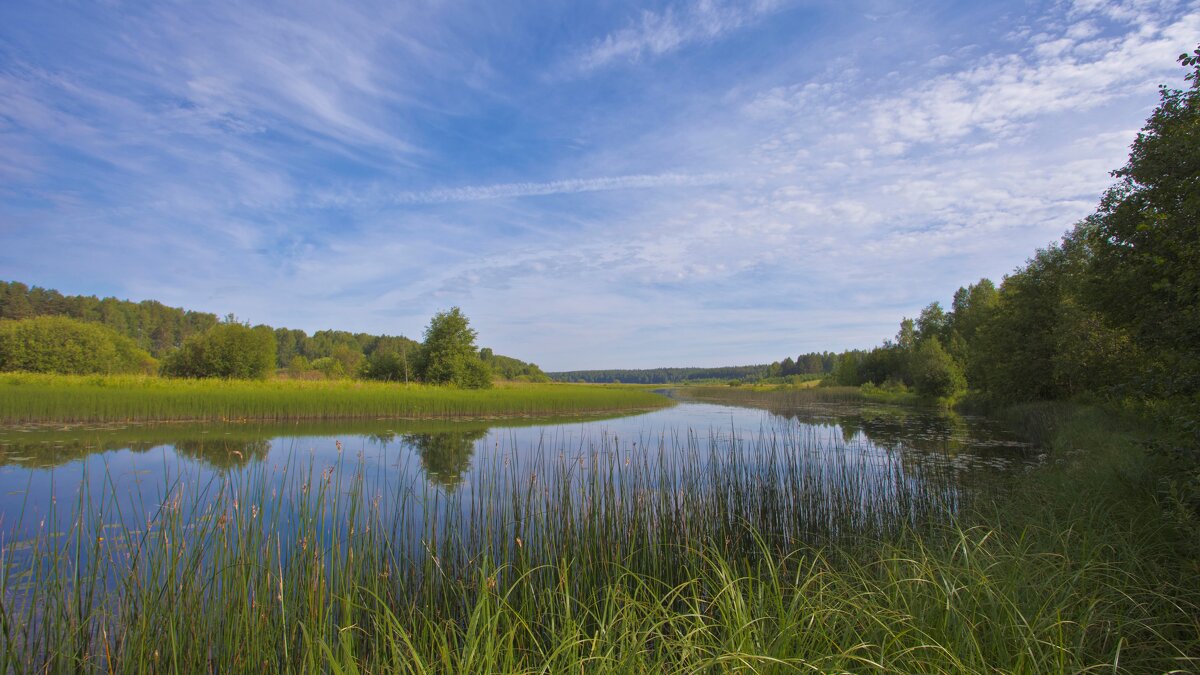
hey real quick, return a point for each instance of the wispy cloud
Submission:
(657, 33)
(377, 197)
(364, 167)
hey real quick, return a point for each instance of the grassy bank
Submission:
(629, 565)
(63, 398)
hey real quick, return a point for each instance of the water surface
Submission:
(874, 453)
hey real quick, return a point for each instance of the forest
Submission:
(814, 364)
(1112, 311)
(150, 336)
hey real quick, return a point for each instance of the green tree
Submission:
(935, 374)
(1145, 240)
(231, 350)
(932, 323)
(973, 306)
(449, 355)
(1014, 353)
(57, 344)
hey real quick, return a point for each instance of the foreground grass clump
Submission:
(62, 398)
(694, 556)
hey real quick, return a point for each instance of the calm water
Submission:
(129, 472)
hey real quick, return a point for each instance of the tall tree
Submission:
(1145, 240)
(449, 355)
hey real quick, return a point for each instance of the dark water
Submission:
(49, 476)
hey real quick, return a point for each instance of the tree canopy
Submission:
(1112, 309)
(448, 354)
(57, 344)
(230, 350)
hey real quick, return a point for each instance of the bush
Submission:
(935, 374)
(57, 344)
(231, 350)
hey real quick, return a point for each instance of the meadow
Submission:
(703, 554)
(26, 397)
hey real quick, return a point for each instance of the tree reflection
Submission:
(445, 456)
(224, 454)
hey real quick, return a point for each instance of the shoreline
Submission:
(35, 399)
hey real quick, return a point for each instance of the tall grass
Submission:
(685, 554)
(101, 398)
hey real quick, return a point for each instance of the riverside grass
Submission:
(26, 398)
(702, 565)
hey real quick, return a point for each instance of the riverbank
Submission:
(36, 398)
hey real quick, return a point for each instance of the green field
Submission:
(35, 398)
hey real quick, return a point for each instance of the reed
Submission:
(679, 554)
(28, 398)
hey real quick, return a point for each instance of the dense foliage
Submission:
(231, 350)
(328, 354)
(448, 354)
(661, 375)
(1112, 310)
(154, 327)
(812, 364)
(57, 344)
(510, 368)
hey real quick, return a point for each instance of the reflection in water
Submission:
(224, 454)
(446, 456)
(225, 445)
(217, 452)
(859, 453)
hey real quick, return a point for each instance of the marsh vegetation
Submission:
(834, 537)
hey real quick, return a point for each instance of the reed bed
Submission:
(777, 553)
(64, 398)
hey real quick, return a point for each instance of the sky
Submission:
(596, 184)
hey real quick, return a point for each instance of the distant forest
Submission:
(160, 329)
(814, 364)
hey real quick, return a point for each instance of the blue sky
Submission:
(597, 185)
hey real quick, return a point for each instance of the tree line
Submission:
(660, 375)
(812, 364)
(1112, 309)
(42, 330)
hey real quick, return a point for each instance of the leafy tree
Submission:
(349, 357)
(57, 344)
(330, 367)
(1014, 352)
(1090, 354)
(935, 374)
(298, 365)
(1145, 240)
(449, 355)
(933, 323)
(386, 365)
(972, 307)
(231, 350)
(510, 368)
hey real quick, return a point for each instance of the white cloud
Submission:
(378, 197)
(657, 33)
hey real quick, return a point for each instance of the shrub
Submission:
(231, 350)
(57, 344)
